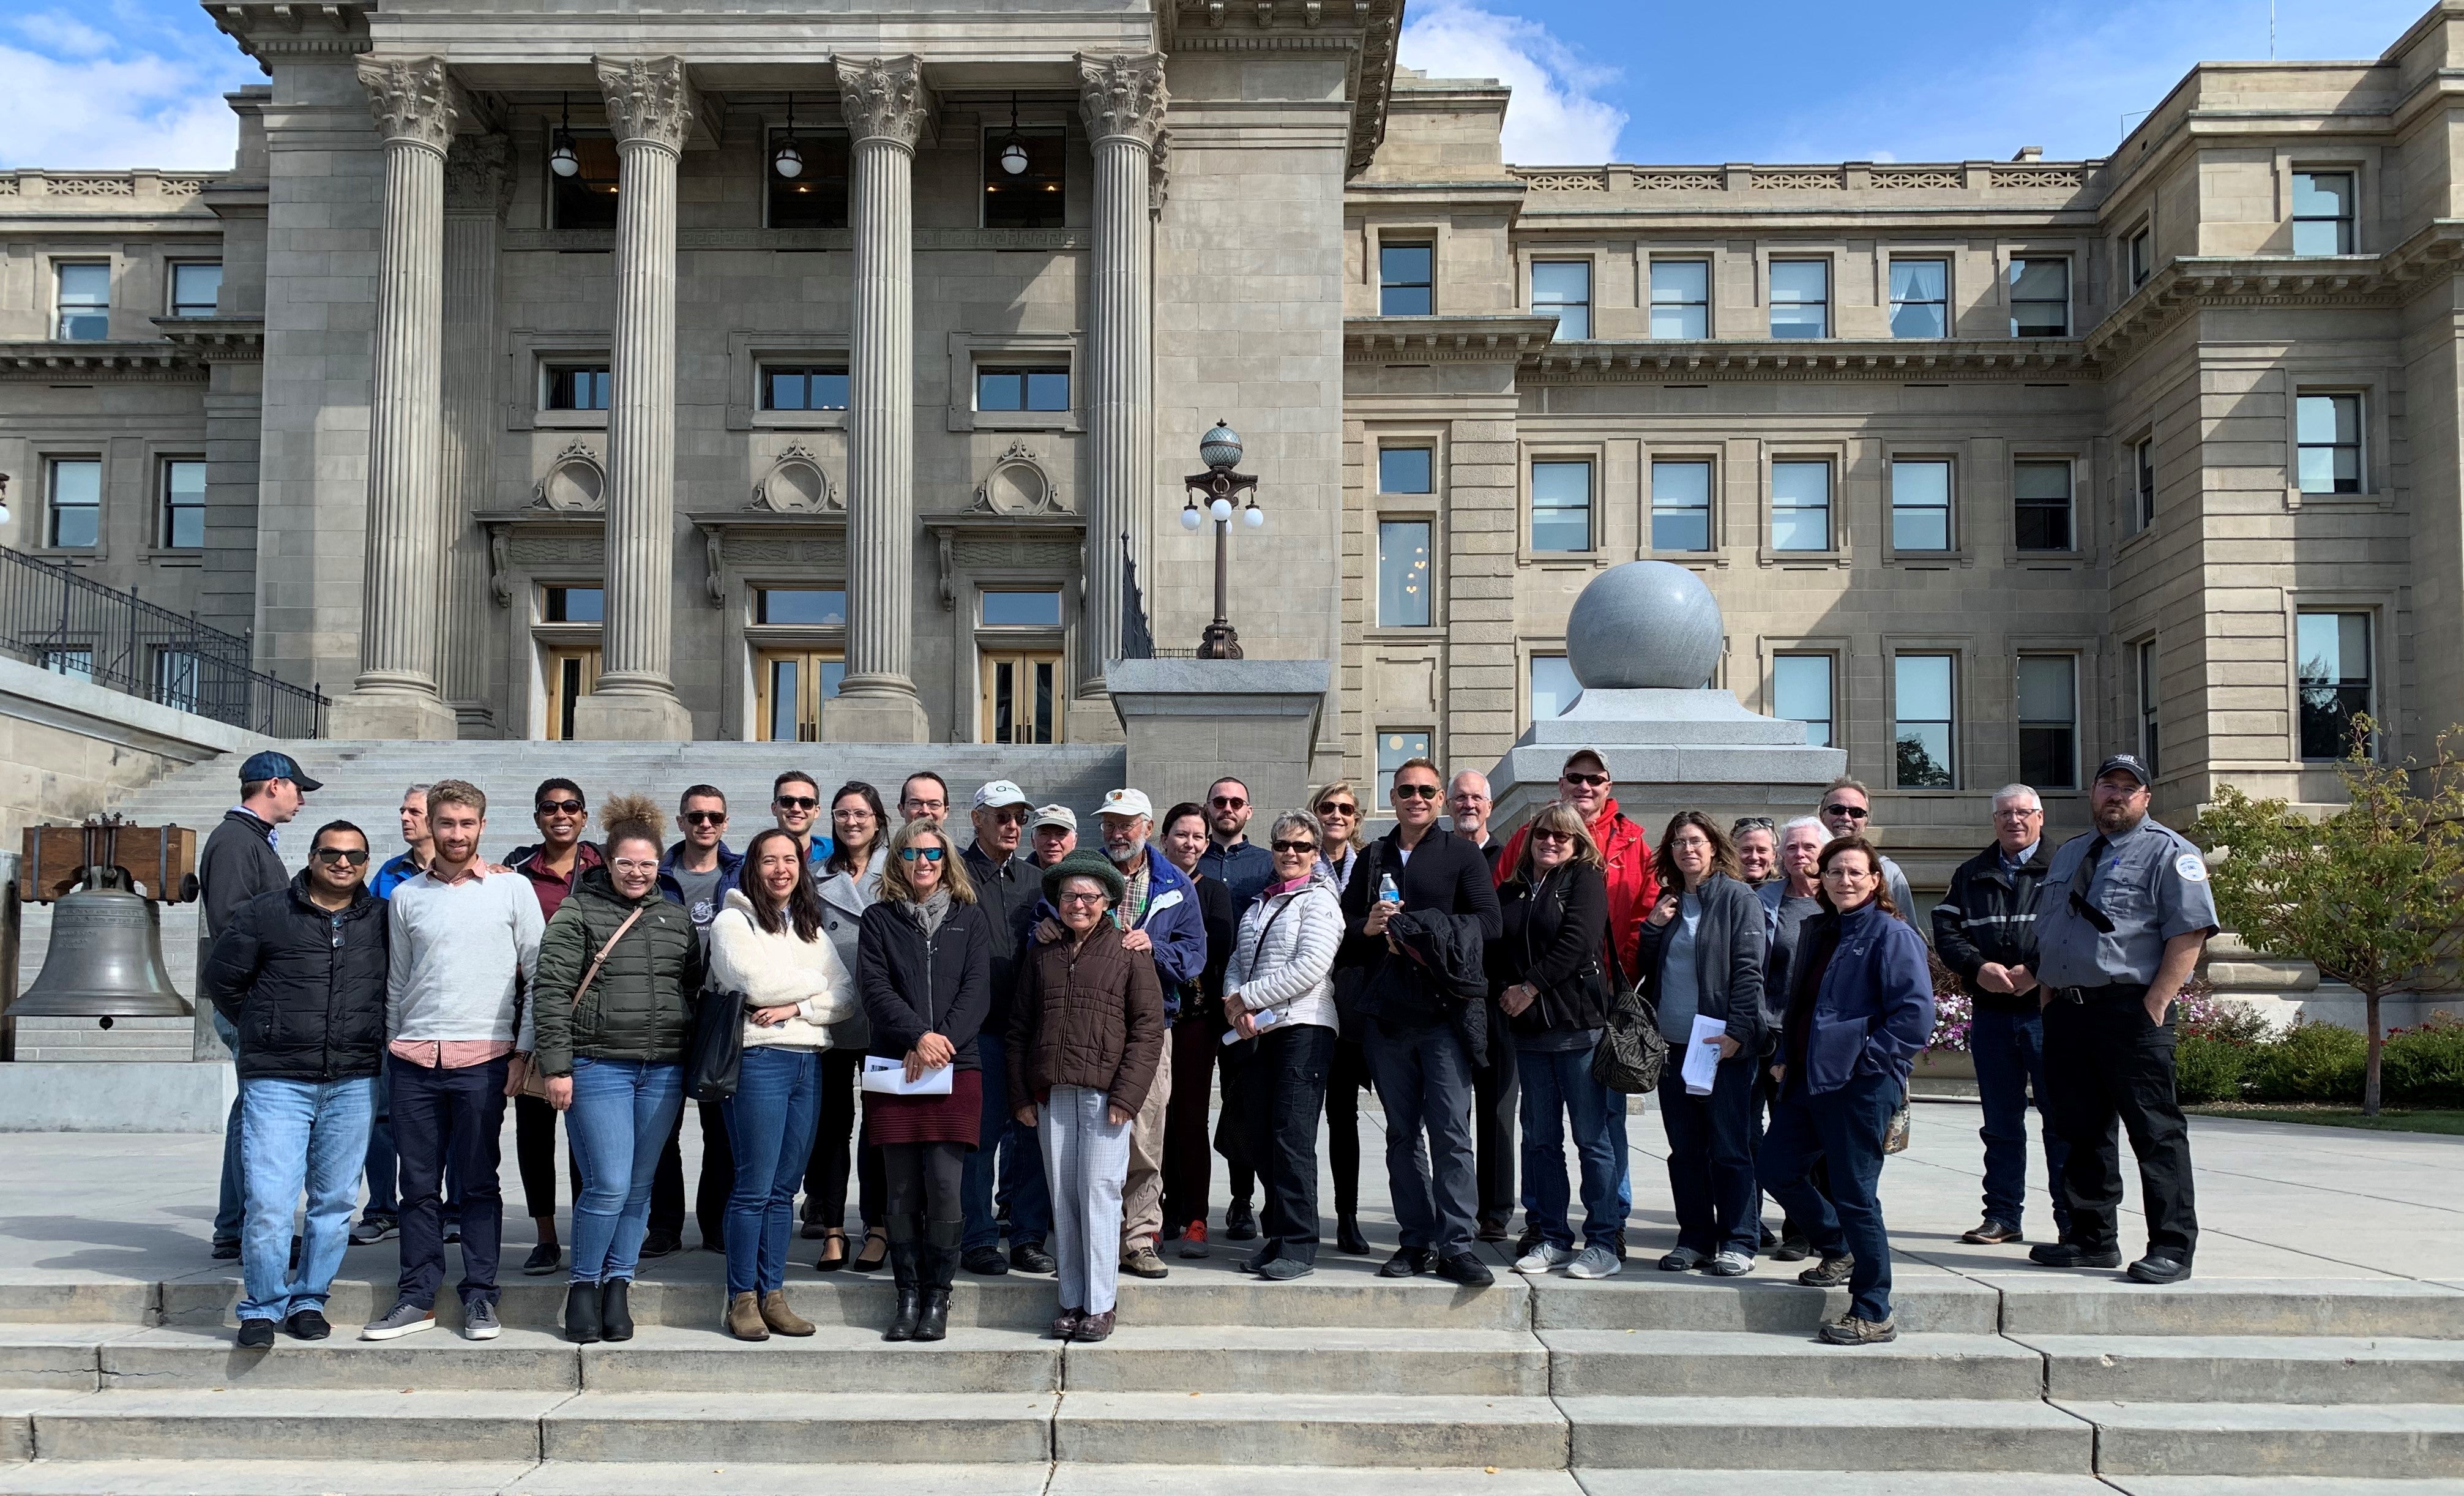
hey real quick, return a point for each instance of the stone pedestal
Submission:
(1191, 722)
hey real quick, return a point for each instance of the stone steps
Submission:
(2290, 1368)
(2391, 1441)
(1628, 1363)
(1727, 1432)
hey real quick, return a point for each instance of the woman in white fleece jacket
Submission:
(1279, 989)
(768, 946)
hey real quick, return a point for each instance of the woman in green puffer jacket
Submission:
(614, 1058)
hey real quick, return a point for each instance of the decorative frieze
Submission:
(1565, 181)
(412, 98)
(649, 99)
(1915, 179)
(886, 99)
(1826, 180)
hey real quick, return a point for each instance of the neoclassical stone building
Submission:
(510, 384)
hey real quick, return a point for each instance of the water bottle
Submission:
(1387, 892)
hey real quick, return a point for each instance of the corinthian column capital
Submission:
(411, 99)
(1122, 94)
(886, 99)
(477, 181)
(649, 99)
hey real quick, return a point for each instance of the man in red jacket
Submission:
(1584, 783)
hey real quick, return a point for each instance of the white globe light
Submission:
(562, 160)
(789, 162)
(1189, 519)
(1013, 158)
(1254, 517)
(1221, 509)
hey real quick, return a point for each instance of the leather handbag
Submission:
(535, 1084)
(715, 1058)
(1632, 1050)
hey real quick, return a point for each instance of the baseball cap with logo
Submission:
(272, 765)
(1060, 816)
(999, 793)
(1126, 803)
(2126, 763)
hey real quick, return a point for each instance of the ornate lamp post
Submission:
(1220, 450)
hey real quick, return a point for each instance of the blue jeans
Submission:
(622, 1112)
(770, 1122)
(299, 1135)
(2009, 1049)
(230, 1202)
(1711, 1158)
(1844, 1127)
(1558, 1094)
(1013, 1154)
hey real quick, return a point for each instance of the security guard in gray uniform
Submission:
(2121, 918)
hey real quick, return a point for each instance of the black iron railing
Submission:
(56, 619)
(1138, 641)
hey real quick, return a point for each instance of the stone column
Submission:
(1122, 97)
(477, 186)
(888, 110)
(395, 694)
(649, 106)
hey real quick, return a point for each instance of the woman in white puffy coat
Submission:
(769, 945)
(1279, 989)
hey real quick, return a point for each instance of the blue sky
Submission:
(139, 82)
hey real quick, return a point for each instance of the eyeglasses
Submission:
(704, 818)
(1852, 812)
(927, 853)
(848, 812)
(1697, 843)
(1016, 815)
(1295, 848)
(558, 807)
(1545, 834)
(1229, 803)
(1416, 792)
(1337, 809)
(926, 807)
(796, 802)
(1586, 780)
(635, 866)
(357, 857)
(1469, 796)
(2018, 813)
(1084, 898)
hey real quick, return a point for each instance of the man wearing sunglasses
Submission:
(299, 973)
(1848, 811)
(554, 865)
(695, 874)
(1241, 865)
(796, 808)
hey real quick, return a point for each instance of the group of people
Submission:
(1021, 1036)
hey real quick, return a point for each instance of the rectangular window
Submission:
(587, 198)
(1398, 746)
(2144, 665)
(1564, 287)
(787, 387)
(1920, 299)
(196, 286)
(1800, 506)
(1403, 573)
(2049, 721)
(1680, 298)
(1922, 725)
(1800, 299)
(1023, 389)
(2327, 435)
(2143, 462)
(1680, 506)
(86, 302)
(2322, 212)
(2040, 298)
(1801, 693)
(811, 607)
(1561, 506)
(76, 522)
(816, 196)
(574, 605)
(176, 678)
(2041, 505)
(2139, 249)
(1407, 280)
(2333, 662)
(184, 504)
(1920, 505)
(1040, 608)
(577, 386)
(1407, 470)
(1553, 687)
(74, 664)
(1032, 196)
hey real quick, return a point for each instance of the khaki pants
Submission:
(1142, 1193)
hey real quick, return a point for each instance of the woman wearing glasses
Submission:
(619, 970)
(850, 880)
(924, 964)
(1086, 1037)
(1337, 809)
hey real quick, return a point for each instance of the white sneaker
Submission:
(1544, 1258)
(1729, 1265)
(1597, 1262)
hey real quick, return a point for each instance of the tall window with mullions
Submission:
(2332, 653)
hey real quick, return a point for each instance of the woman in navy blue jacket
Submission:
(1859, 1009)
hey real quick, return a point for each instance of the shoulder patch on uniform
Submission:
(2191, 868)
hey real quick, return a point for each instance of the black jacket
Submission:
(1446, 875)
(1000, 890)
(237, 865)
(1730, 945)
(913, 986)
(1221, 915)
(305, 987)
(1990, 915)
(1552, 941)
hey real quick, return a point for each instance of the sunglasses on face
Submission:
(927, 853)
(1546, 835)
(1416, 792)
(357, 857)
(1227, 802)
(559, 808)
(1295, 848)
(796, 802)
(1010, 817)
(1586, 780)
(1852, 812)
(704, 818)
(1331, 809)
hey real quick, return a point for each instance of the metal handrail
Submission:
(51, 617)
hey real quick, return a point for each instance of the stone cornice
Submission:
(327, 31)
(2189, 284)
(649, 99)
(1442, 340)
(589, 240)
(412, 99)
(1370, 29)
(84, 362)
(887, 98)
(1122, 96)
(1827, 359)
(217, 339)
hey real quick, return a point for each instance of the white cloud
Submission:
(76, 98)
(63, 34)
(1558, 118)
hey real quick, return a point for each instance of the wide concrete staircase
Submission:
(1343, 1383)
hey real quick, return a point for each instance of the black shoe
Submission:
(1348, 1238)
(1791, 1248)
(307, 1324)
(1466, 1269)
(986, 1262)
(662, 1243)
(2160, 1267)
(226, 1251)
(544, 1259)
(2070, 1254)
(615, 1313)
(904, 1267)
(1409, 1262)
(1831, 1273)
(1257, 1262)
(452, 1232)
(256, 1334)
(933, 1323)
(1240, 1222)
(1031, 1257)
(1991, 1232)
(582, 1313)
(1495, 1230)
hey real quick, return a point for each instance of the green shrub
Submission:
(2308, 1061)
(2208, 1069)
(2424, 1067)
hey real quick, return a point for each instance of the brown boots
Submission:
(744, 1319)
(776, 1315)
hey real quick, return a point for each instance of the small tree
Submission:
(2368, 894)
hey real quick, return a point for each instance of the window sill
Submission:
(2298, 499)
(2047, 561)
(176, 555)
(966, 420)
(1807, 560)
(1564, 560)
(1403, 633)
(1713, 558)
(799, 419)
(569, 420)
(1928, 560)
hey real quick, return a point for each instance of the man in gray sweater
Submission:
(464, 947)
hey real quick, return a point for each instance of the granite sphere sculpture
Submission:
(1646, 625)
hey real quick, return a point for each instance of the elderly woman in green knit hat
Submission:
(1086, 1034)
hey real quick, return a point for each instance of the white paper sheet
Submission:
(889, 1078)
(1702, 1060)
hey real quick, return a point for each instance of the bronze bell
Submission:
(105, 958)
